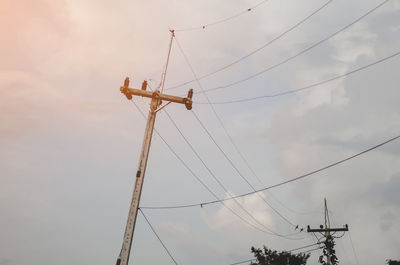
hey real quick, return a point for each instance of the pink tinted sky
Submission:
(70, 140)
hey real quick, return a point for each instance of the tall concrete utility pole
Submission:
(327, 232)
(156, 100)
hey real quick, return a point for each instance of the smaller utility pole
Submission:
(156, 100)
(329, 243)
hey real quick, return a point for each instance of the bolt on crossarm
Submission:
(156, 101)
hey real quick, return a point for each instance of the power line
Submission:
(197, 79)
(258, 49)
(230, 138)
(354, 250)
(219, 182)
(269, 231)
(244, 261)
(305, 87)
(304, 247)
(284, 182)
(301, 52)
(177, 156)
(208, 169)
(159, 239)
(164, 73)
(308, 251)
(201, 182)
(342, 248)
(224, 19)
(237, 170)
(249, 260)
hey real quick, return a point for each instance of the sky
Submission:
(70, 141)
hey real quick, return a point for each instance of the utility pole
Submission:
(328, 236)
(156, 100)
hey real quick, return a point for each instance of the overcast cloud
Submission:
(70, 141)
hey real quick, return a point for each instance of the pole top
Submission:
(130, 92)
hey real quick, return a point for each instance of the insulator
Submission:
(126, 82)
(144, 85)
(190, 93)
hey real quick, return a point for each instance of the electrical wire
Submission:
(229, 136)
(164, 73)
(341, 248)
(249, 260)
(318, 239)
(301, 52)
(237, 170)
(268, 231)
(258, 49)
(304, 247)
(244, 261)
(311, 212)
(176, 155)
(158, 237)
(224, 19)
(231, 140)
(205, 165)
(284, 182)
(338, 236)
(305, 87)
(218, 200)
(354, 250)
(198, 179)
(219, 182)
(308, 251)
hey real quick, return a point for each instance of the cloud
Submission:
(388, 220)
(193, 246)
(62, 63)
(385, 194)
(333, 121)
(38, 31)
(5, 261)
(27, 103)
(224, 219)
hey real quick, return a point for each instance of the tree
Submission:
(329, 251)
(267, 256)
(393, 262)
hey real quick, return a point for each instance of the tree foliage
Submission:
(329, 250)
(267, 256)
(393, 262)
